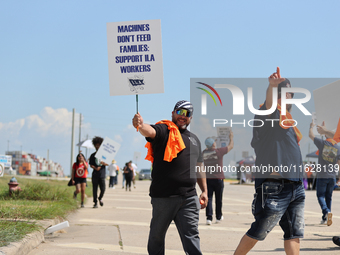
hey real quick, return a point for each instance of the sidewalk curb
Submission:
(30, 241)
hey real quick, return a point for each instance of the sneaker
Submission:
(336, 240)
(323, 222)
(82, 205)
(329, 218)
(74, 195)
(113, 187)
(218, 221)
(101, 203)
(209, 222)
(95, 205)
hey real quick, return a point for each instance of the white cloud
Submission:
(118, 138)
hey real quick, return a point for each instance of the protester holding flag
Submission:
(175, 153)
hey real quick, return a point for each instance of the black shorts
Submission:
(79, 180)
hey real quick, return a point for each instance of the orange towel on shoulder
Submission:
(173, 147)
(289, 122)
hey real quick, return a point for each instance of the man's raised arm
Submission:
(274, 80)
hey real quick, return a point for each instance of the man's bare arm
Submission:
(322, 130)
(202, 183)
(311, 134)
(145, 129)
(274, 81)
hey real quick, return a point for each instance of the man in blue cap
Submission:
(213, 163)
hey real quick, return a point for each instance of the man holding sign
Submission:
(98, 174)
(175, 152)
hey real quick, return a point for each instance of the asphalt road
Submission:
(122, 226)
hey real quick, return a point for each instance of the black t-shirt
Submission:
(275, 147)
(175, 178)
(94, 162)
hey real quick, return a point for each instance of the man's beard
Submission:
(182, 127)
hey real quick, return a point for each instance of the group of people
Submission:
(176, 155)
(80, 172)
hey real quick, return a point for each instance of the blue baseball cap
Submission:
(209, 142)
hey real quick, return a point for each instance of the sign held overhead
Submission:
(135, 57)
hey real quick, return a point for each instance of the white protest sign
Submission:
(2, 169)
(136, 156)
(135, 57)
(327, 105)
(107, 151)
(223, 139)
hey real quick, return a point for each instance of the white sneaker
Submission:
(323, 222)
(329, 218)
(218, 221)
(209, 222)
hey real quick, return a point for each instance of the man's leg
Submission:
(321, 186)
(329, 193)
(186, 221)
(102, 188)
(94, 189)
(163, 212)
(267, 208)
(208, 209)
(219, 198)
(292, 222)
(245, 245)
(292, 246)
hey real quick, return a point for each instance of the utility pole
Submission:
(79, 132)
(72, 139)
(87, 138)
(7, 146)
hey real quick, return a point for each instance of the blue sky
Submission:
(53, 58)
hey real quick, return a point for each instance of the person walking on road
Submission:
(213, 159)
(175, 153)
(279, 195)
(327, 169)
(113, 174)
(98, 174)
(79, 175)
(129, 175)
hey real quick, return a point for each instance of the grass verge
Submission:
(38, 200)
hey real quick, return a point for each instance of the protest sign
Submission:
(327, 103)
(107, 151)
(135, 57)
(223, 139)
(136, 156)
(2, 169)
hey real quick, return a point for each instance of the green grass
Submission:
(39, 199)
(12, 231)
